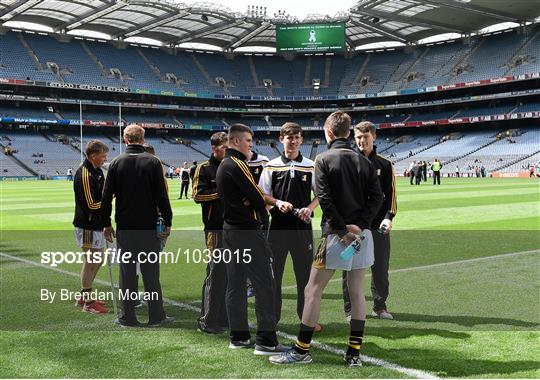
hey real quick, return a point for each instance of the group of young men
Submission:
(260, 210)
(264, 207)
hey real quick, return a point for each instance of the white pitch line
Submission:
(430, 266)
(410, 372)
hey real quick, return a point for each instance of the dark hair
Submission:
(339, 123)
(95, 147)
(218, 138)
(149, 148)
(236, 129)
(365, 127)
(290, 128)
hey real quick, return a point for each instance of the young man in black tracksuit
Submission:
(250, 256)
(290, 178)
(365, 135)
(256, 164)
(349, 196)
(88, 188)
(213, 316)
(137, 182)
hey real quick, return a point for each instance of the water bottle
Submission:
(352, 249)
(296, 212)
(160, 227)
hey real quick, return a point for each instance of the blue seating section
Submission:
(146, 68)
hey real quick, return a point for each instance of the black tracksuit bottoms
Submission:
(213, 312)
(300, 244)
(135, 242)
(250, 257)
(184, 188)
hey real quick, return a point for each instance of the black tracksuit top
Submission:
(240, 195)
(88, 187)
(347, 187)
(137, 181)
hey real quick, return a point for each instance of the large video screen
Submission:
(310, 37)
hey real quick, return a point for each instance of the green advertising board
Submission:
(310, 37)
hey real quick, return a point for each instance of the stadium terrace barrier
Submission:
(19, 178)
(376, 107)
(463, 120)
(510, 175)
(208, 127)
(445, 87)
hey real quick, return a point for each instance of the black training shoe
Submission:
(270, 350)
(353, 360)
(210, 330)
(164, 321)
(239, 344)
(130, 324)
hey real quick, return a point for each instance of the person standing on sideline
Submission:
(350, 196)
(88, 188)
(418, 172)
(290, 178)
(213, 316)
(365, 136)
(70, 174)
(457, 171)
(137, 182)
(242, 236)
(424, 171)
(412, 171)
(436, 167)
(184, 180)
(192, 170)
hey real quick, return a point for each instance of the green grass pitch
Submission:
(464, 292)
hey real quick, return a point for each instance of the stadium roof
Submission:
(173, 23)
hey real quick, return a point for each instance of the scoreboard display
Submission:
(310, 37)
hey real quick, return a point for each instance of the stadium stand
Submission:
(91, 62)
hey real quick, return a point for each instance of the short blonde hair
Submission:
(134, 134)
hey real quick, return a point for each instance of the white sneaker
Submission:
(291, 357)
(382, 314)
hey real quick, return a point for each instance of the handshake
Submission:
(303, 214)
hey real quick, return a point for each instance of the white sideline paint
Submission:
(410, 372)
(430, 266)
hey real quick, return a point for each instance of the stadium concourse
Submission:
(452, 80)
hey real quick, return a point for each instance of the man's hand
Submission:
(165, 233)
(109, 234)
(348, 238)
(353, 228)
(305, 213)
(283, 206)
(386, 226)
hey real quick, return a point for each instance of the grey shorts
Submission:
(330, 248)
